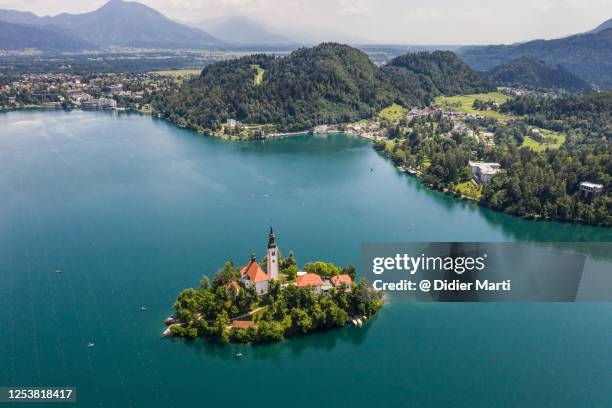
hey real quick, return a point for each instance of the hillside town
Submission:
(91, 91)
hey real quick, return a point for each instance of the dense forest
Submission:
(590, 113)
(329, 83)
(438, 73)
(534, 183)
(532, 73)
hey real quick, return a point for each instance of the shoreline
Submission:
(281, 135)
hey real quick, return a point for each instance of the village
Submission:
(91, 91)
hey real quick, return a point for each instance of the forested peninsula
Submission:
(329, 83)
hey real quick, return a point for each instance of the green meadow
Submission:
(393, 113)
(260, 75)
(463, 103)
(553, 140)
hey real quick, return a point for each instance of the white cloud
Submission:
(391, 21)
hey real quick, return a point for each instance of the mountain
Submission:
(603, 26)
(50, 38)
(589, 56)
(121, 23)
(241, 30)
(439, 73)
(329, 83)
(533, 73)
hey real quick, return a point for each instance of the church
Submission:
(252, 274)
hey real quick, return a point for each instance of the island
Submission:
(272, 300)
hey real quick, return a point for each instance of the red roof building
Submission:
(254, 271)
(242, 324)
(340, 279)
(253, 275)
(309, 279)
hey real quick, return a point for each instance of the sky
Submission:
(447, 22)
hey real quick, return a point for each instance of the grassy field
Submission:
(393, 113)
(260, 75)
(463, 103)
(178, 73)
(555, 140)
(470, 189)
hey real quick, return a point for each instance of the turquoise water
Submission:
(132, 210)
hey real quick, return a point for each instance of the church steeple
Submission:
(271, 239)
(272, 267)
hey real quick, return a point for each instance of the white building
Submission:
(588, 189)
(231, 123)
(253, 275)
(272, 266)
(484, 172)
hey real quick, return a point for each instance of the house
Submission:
(242, 324)
(588, 189)
(339, 280)
(253, 276)
(231, 123)
(484, 172)
(310, 280)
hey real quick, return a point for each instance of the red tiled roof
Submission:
(242, 324)
(254, 272)
(340, 279)
(310, 279)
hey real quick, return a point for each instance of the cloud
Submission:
(390, 21)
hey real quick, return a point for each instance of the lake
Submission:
(133, 209)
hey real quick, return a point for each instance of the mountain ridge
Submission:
(533, 73)
(242, 30)
(588, 55)
(122, 23)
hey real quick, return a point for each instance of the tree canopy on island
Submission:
(285, 311)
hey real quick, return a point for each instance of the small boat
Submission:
(58, 271)
(239, 354)
(143, 308)
(170, 320)
(90, 344)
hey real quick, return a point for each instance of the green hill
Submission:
(438, 72)
(533, 73)
(329, 83)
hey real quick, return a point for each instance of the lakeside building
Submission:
(589, 190)
(484, 172)
(252, 274)
(311, 280)
(339, 280)
(102, 103)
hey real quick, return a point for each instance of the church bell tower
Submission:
(272, 256)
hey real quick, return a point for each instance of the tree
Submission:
(322, 268)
